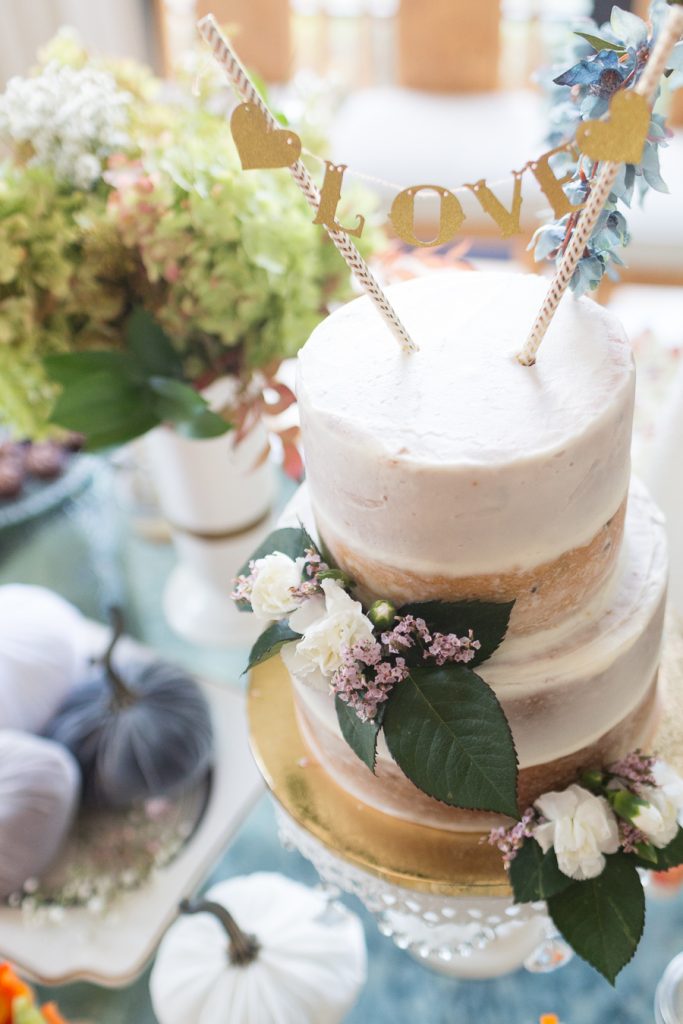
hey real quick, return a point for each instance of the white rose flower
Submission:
(327, 624)
(581, 827)
(274, 577)
(658, 817)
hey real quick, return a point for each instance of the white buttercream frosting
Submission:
(456, 459)
(564, 688)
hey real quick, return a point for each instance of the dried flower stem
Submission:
(600, 192)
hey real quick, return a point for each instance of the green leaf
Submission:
(336, 574)
(670, 857)
(290, 540)
(447, 732)
(600, 44)
(72, 367)
(602, 918)
(180, 404)
(534, 875)
(205, 425)
(360, 736)
(107, 408)
(270, 642)
(487, 619)
(151, 347)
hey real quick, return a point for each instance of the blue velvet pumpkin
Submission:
(138, 729)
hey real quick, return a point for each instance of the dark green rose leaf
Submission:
(670, 857)
(602, 918)
(360, 736)
(447, 732)
(488, 620)
(270, 642)
(534, 875)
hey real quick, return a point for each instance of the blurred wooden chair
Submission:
(449, 45)
(261, 30)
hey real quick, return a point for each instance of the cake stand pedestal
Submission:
(442, 896)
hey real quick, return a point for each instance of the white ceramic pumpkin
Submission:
(39, 789)
(42, 655)
(292, 959)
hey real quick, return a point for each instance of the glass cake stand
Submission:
(442, 896)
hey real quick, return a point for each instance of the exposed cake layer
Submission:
(573, 695)
(392, 793)
(455, 471)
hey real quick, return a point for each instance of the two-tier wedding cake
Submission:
(455, 473)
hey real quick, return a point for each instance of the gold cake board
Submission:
(416, 857)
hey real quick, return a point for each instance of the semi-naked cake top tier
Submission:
(457, 472)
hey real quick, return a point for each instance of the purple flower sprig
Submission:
(370, 670)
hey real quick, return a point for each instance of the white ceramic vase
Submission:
(217, 496)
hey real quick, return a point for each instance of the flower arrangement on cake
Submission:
(139, 264)
(362, 655)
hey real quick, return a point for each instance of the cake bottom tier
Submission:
(389, 791)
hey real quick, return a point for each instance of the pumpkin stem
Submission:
(243, 948)
(123, 695)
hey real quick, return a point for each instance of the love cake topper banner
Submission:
(619, 138)
(612, 141)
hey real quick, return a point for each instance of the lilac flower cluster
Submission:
(242, 585)
(630, 837)
(310, 584)
(370, 670)
(364, 681)
(635, 771)
(510, 840)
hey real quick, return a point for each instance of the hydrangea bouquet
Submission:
(606, 60)
(138, 262)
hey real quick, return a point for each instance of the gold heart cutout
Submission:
(259, 145)
(621, 137)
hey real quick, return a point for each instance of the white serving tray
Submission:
(113, 950)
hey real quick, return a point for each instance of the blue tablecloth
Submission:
(88, 553)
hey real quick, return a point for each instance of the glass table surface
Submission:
(89, 552)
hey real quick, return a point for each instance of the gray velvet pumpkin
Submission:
(138, 729)
(39, 791)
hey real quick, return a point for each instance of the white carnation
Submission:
(328, 625)
(657, 818)
(275, 576)
(581, 827)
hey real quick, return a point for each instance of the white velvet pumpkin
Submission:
(309, 968)
(39, 793)
(42, 655)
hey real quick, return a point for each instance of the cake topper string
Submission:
(644, 92)
(262, 136)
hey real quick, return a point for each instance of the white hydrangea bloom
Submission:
(72, 119)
